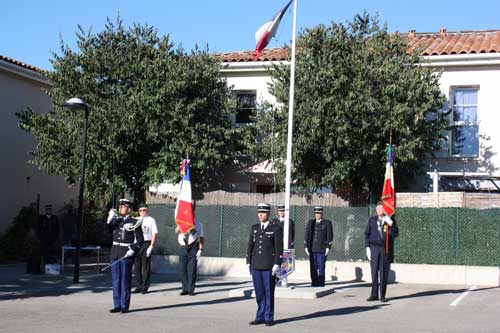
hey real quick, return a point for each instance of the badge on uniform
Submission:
(269, 232)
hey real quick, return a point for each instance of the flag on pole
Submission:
(388, 194)
(267, 31)
(184, 215)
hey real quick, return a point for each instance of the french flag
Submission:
(184, 215)
(388, 195)
(267, 31)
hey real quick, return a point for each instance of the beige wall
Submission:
(20, 88)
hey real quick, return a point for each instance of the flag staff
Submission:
(290, 132)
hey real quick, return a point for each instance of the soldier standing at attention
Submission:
(265, 246)
(379, 237)
(127, 240)
(280, 220)
(318, 242)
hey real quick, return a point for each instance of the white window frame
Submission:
(462, 123)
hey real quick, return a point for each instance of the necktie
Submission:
(380, 228)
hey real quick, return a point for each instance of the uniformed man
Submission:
(280, 220)
(318, 242)
(127, 240)
(48, 235)
(142, 265)
(190, 248)
(265, 246)
(379, 237)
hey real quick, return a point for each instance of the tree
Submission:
(356, 86)
(150, 104)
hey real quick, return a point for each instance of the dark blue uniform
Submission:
(318, 238)
(380, 262)
(124, 238)
(291, 230)
(265, 247)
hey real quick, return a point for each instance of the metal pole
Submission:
(290, 133)
(76, 271)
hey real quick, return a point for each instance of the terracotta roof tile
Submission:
(435, 43)
(22, 64)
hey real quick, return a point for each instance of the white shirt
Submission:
(194, 234)
(149, 228)
(264, 225)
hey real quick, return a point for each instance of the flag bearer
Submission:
(265, 246)
(318, 242)
(127, 240)
(379, 236)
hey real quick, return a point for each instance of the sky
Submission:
(30, 30)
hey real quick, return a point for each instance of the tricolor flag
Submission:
(388, 195)
(267, 31)
(184, 216)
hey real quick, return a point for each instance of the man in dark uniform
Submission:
(48, 235)
(379, 237)
(318, 242)
(127, 240)
(280, 220)
(265, 246)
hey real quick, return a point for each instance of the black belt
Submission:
(195, 244)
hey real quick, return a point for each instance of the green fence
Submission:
(453, 236)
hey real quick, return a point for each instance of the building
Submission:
(22, 85)
(470, 65)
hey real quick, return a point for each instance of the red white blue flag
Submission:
(388, 193)
(184, 215)
(267, 31)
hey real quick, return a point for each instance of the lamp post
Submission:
(78, 104)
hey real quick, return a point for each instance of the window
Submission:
(465, 129)
(245, 107)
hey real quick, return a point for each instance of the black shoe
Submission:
(192, 293)
(372, 298)
(124, 310)
(383, 300)
(183, 293)
(137, 290)
(115, 310)
(269, 323)
(256, 322)
(145, 291)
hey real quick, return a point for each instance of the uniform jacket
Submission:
(128, 239)
(324, 235)
(291, 230)
(265, 247)
(48, 229)
(373, 237)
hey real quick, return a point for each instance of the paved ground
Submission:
(52, 304)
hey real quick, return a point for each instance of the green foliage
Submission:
(20, 237)
(150, 102)
(355, 84)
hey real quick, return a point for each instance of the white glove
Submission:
(129, 253)
(275, 269)
(111, 215)
(198, 254)
(149, 251)
(249, 269)
(326, 252)
(368, 253)
(388, 220)
(307, 251)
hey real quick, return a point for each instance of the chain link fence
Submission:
(452, 236)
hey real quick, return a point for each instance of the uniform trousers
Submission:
(264, 284)
(142, 268)
(317, 268)
(188, 266)
(380, 267)
(121, 274)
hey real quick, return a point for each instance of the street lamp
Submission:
(78, 104)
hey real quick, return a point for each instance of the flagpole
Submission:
(290, 133)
